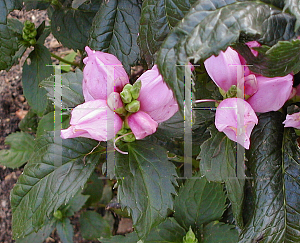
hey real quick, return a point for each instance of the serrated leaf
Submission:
(211, 26)
(274, 165)
(53, 175)
(199, 202)
(115, 30)
(218, 163)
(71, 88)
(33, 74)
(153, 29)
(65, 230)
(41, 235)
(168, 231)
(146, 170)
(71, 26)
(46, 124)
(217, 232)
(74, 204)
(279, 60)
(93, 226)
(93, 188)
(21, 148)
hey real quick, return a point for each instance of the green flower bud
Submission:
(29, 25)
(135, 91)
(190, 237)
(32, 34)
(58, 214)
(129, 138)
(32, 41)
(126, 96)
(123, 131)
(128, 86)
(132, 107)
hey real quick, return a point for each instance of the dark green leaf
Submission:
(276, 208)
(216, 232)
(65, 230)
(199, 202)
(168, 231)
(145, 170)
(21, 148)
(115, 30)
(46, 124)
(94, 188)
(42, 33)
(53, 175)
(30, 122)
(154, 28)
(211, 26)
(41, 235)
(71, 88)
(33, 74)
(71, 27)
(74, 204)
(93, 226)
(278, 60)
(218, 163)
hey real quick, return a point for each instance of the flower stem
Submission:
(65, 61)
(205, 100)
(115, 146)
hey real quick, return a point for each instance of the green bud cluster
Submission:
(58, 214)
(128, 138)
(231, 93)
(190, 237)
(29, 32)
(129, 96)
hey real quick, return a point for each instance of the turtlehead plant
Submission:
(112, 103)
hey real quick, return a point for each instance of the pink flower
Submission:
(292, 120)
(96, 118)
(228, 113)
(225, 69)
(103, 74)
(271, 93)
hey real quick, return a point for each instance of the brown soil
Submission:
(13, 107)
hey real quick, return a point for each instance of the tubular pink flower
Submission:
(141, 124)
(225, 69)
(292, 120)
(271, 93)
(227, 117)
(102, 75)
(156, 99)
(91, 120)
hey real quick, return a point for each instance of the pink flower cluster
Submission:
(104, 80)
(236, 116)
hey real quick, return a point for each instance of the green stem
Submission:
(65, 61)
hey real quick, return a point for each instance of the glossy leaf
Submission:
(274, 165)
(115, 30)
(71, 26)
(93, 226)
(93, 188)
(71, 88)
(30, 122)
(146, 170)
(53, 175)
(168, 231)
(21, 148)
(218, 163)
(294, 8)
(278, 60)
(211, 26)
(74, 204)
(65, 230)
(33, 74)
(216, 232)
(199, 202)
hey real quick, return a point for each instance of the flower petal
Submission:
(141, 124)
(225, 69)
(93, 119)
(271, 93)
(228, 113)
(102, 75)
(292, 120)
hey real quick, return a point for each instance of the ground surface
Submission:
(13, 107)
